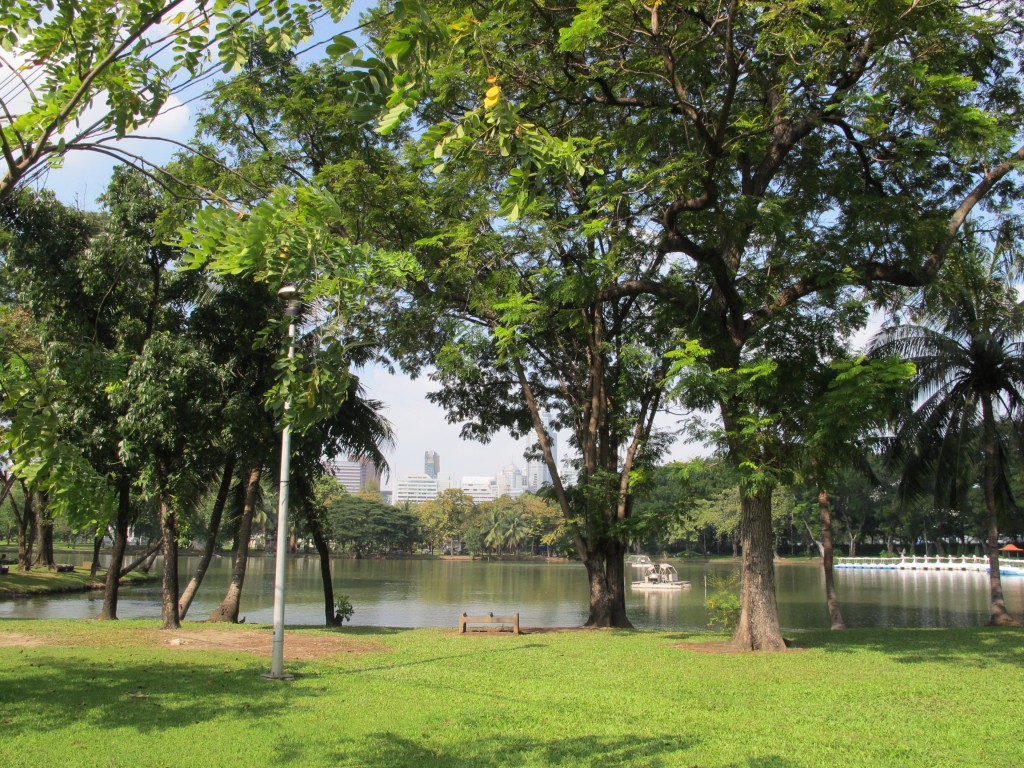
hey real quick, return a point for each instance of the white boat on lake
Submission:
(662, 576)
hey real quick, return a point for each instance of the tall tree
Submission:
(771, 153)
(97, 287)
(171, 401)
(967, 342)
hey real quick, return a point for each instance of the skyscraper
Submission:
(354, 473)
(431, 464)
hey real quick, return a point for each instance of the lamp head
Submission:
(291, 293)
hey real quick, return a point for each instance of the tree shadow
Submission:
(146, 695)
(970, 646)
(484, 651)
(973, 646)
(391, 750)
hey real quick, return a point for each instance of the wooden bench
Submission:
(64, 568)
(490, 618)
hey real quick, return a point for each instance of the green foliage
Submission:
(366, 525)
(965, 348)
(343, 609)
(723, 602)
(67, 53)
(289, 239)
(444, 518)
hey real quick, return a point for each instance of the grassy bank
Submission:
(40, 581)
(92, 694)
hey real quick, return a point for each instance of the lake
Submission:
(432, 593)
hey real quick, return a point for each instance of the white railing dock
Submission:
(1014, 567)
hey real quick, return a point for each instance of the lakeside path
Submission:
(87, 693)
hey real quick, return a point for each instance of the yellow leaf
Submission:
(492, 97)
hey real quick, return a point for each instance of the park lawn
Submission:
(118, 694)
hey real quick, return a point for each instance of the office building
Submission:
(431, 463)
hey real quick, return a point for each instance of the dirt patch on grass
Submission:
(298, 646)
(721, 647)
(18, 640)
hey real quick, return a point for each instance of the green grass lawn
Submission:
(95, 694)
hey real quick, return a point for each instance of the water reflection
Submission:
(421, 593)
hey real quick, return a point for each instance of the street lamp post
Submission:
(277, 656)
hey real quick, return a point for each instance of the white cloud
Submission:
(173, 122)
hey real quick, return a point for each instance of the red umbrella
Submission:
(1011, 547)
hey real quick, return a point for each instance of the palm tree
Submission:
(967, 342)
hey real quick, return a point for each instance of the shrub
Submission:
(343, 609)
(723, 602)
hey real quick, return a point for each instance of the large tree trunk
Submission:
(44, 532)
(228, 609)
(758, 628)
(112, 583)
(826, 556)
(320, 541)
(604, 560)
(170, 619)
(999, 614)
(211, 539)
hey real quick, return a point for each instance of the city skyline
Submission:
(421, 426)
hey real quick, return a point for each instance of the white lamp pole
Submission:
(277, 657)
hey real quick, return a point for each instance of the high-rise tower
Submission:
(431, 464)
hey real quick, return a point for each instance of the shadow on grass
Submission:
(476, 653)
(394, 750)
(147, 695)
(974, 646)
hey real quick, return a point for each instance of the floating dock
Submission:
(1008, 567)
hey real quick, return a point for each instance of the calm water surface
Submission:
(432, 593)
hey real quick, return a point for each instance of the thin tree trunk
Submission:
(112, 583)
(170, 619)
(999, 614)
(145, 562)
(824, 513)
(816, 542)
(23, 520)
(758, 628)
(97, 545)
(228, 609)
(320, 542)
(211, 538)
